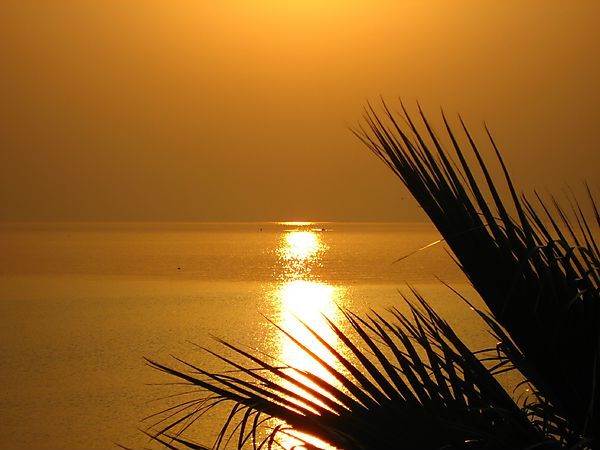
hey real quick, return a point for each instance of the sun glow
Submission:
(302, 301)
(299, 254)
(301, 296)
(301, 245)
(307, 302)
(296, 223)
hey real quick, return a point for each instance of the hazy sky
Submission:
(238, 109)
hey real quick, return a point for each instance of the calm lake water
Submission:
(82, 304)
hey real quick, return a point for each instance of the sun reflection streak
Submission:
(299, 253)
(301, 246)
(308, 302)
(303, 299)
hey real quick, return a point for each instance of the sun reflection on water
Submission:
(302, 298)
(301, 246)
(307, 302)
(299, 254)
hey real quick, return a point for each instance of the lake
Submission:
(82, 304)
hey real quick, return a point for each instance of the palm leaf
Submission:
(416, 385)
(541, 282)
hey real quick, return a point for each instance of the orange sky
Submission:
(237, 109)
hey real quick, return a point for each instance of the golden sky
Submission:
(238, 109)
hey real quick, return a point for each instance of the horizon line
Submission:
(183, 222)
